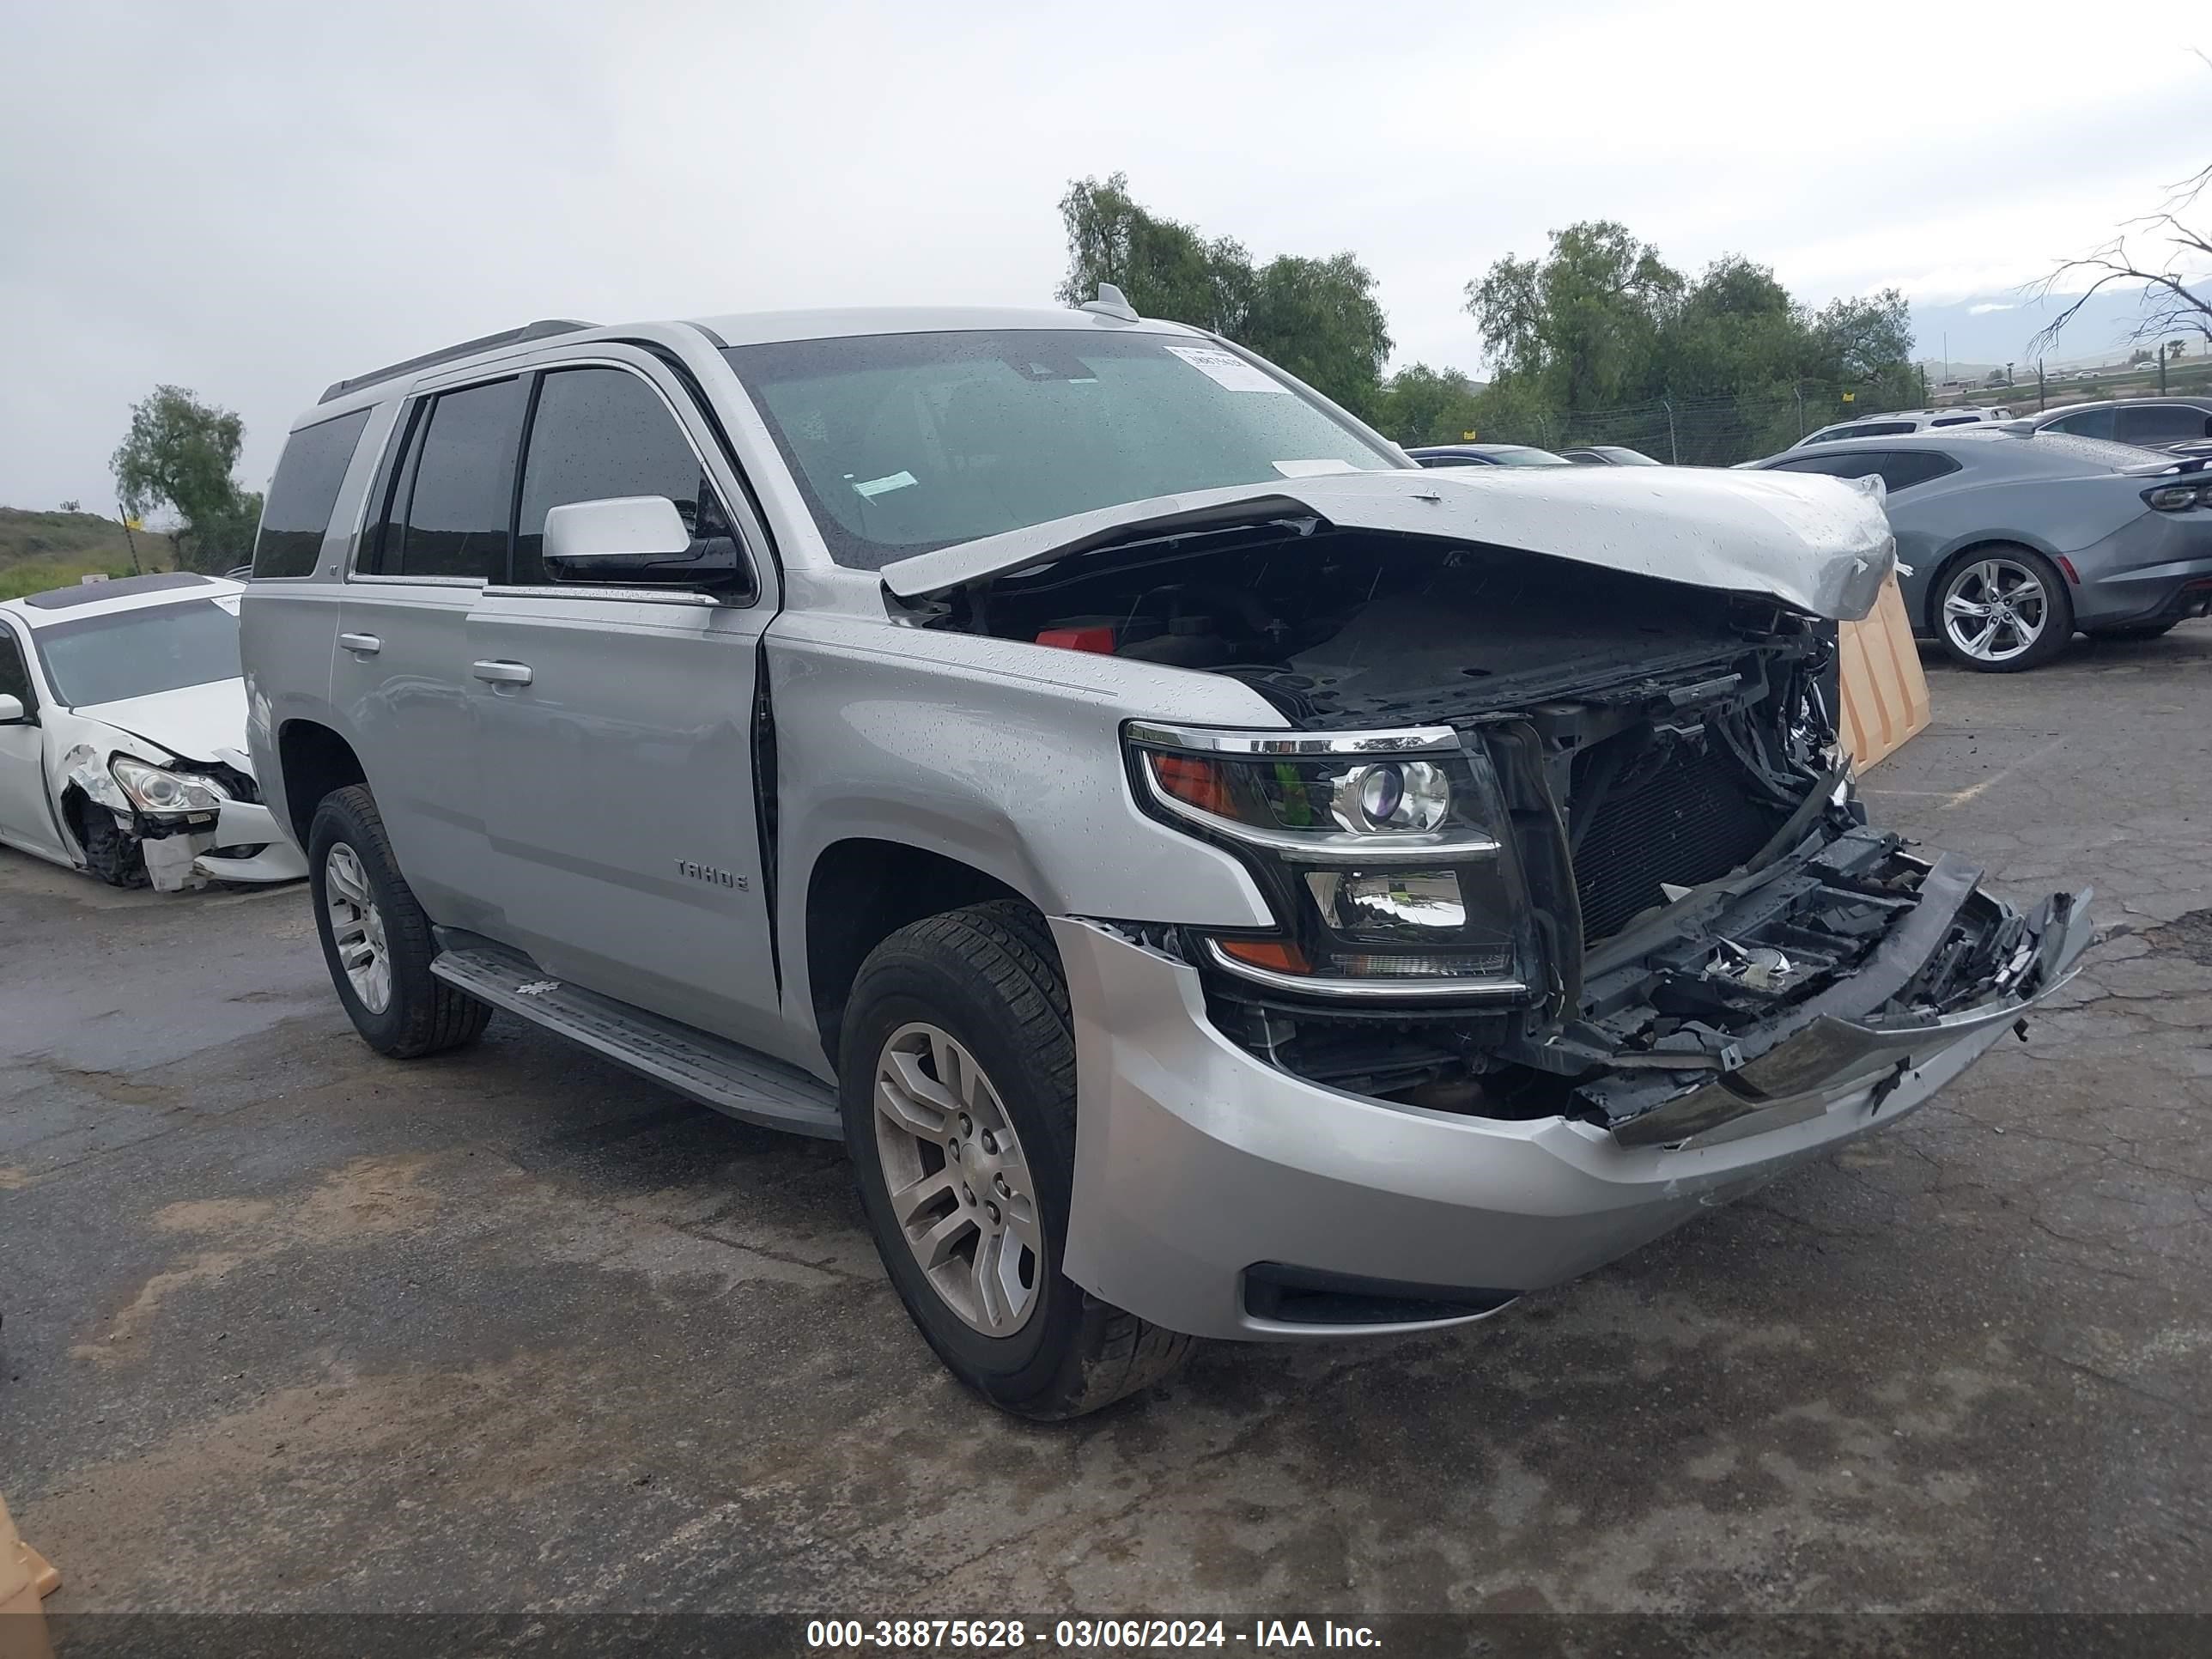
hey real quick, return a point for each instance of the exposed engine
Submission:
(1695, 865)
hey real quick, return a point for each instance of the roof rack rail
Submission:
(537, 331)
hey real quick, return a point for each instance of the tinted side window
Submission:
(387, 496)
(297, 514)
(599, 433)
(1452, 460)
(1901, 469)
(1853, 464)
(2170, 425)
(2089, 423)
(462, 495)
(1881, 428)
(15, 675)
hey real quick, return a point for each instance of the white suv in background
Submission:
(1897, 422)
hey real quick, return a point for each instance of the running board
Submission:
(723, 1074)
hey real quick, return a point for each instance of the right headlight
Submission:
(1386, 856)
(157, 789)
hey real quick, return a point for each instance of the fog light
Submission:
(1400, 904)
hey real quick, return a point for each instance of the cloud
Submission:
(278, 203)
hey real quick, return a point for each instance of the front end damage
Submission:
(1633, 933)
(172, 823)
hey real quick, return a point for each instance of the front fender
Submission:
(984, 752)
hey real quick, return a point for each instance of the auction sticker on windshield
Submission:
(1227, 370)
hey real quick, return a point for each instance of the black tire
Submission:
(115, 858)
(2058, 617)
(988, 976)
(424, 1015)
(2149, 631)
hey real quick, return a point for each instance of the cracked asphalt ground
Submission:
(288, 1326)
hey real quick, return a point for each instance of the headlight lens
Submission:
(1384, 855)
(157, 789)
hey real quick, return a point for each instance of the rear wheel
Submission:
(958, 1068)
(2002, 609)
(375, 938)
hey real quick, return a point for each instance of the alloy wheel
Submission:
(1996, 609)
(959, 1185)
(357, 928)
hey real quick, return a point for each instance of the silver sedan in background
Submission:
(2016, 541)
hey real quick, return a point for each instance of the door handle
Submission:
(367, 644)
(501, 673)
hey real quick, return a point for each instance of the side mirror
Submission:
(636, 540)
(11, 709)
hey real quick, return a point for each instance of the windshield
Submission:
(1513, 455)
(907, 442)
(135, 654)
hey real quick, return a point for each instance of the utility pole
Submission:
(2038, 385)
(2161, 368)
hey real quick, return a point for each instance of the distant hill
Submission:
(1994, 328)
(39, 550)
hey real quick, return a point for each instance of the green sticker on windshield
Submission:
(889, 480)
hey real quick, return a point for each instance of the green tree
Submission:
(1583, 324)
(178, 454)
(1318, 318)
(1166, 269)
(1423, 405)
(1601, 340)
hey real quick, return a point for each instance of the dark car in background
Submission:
(2167, 424)
(1486, 455)
(2007, 543)
(1608, 455)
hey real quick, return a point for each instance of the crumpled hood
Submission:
(1813, 542)
(195, 722)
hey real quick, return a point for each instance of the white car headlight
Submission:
(157, 789)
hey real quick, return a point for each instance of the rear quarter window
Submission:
(297, 514)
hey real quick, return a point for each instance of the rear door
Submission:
(438, 531)
(613, 725)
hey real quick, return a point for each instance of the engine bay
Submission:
(1699, 872)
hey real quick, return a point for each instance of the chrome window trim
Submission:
(1315, 985)
(688, 596)
(1212, 740)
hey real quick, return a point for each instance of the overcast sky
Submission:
(252, 203)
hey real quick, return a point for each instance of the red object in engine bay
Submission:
(1089, 636)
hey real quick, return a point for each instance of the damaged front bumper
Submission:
(242, 844)
(1208, 1179)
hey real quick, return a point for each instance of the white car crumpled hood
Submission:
(1814, 543)
(194, 722)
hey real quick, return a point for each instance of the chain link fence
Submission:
(1699, 431)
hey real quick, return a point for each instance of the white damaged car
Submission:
(122, 735)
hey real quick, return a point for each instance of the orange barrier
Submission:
(1884, 694)
(26, 1579)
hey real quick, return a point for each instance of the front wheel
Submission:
(957, 1072)
(376, 938)
(2002, 609)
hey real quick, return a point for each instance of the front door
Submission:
(27, 815)
(613, 732)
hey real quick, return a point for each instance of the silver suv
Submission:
(1217, 879)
